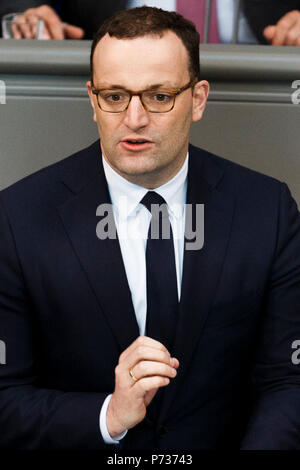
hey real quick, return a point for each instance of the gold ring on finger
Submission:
(132, 375)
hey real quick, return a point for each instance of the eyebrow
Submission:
(150, 87)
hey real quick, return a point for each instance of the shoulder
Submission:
(221, 172)
(252, 191)
(47, 185)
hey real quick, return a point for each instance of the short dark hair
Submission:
(144, 21)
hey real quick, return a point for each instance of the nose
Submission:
(136, 116)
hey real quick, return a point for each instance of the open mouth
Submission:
(136, 144)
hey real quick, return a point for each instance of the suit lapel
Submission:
(202, 268)
(101, 260)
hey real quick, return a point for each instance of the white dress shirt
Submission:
(225, 12)
(132, 222)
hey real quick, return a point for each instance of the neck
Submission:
(156, 178)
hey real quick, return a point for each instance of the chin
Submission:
(136, 166)
(135, 171)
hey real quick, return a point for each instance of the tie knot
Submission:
(152, 198)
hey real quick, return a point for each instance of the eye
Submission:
(161, 97)
(113, 97)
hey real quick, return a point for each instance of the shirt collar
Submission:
(126, 196)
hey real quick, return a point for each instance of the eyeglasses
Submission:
(161, 100)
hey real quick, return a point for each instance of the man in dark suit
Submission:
(273, 21)
(103, 347)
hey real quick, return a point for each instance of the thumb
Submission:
(269, 32)
(149, 396)
(73, 32)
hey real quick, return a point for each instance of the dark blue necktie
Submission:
(162, 294)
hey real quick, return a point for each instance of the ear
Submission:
(200, 95)
(92, 99)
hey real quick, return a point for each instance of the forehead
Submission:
(141, 61)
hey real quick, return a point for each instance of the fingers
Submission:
(73, 32)
(146, 358)
(52, 22)
(286, 32)
(15, 31)
(293, 35)
(143, 341)
(147, 384)
(25, 25)
(32, 21)
(269, 32)
(151, 368)
(127, 407)
(21, 28)
(282, 29)
(174, 362)
(142, 353)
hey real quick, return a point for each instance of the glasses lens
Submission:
(113, 100)
(158, 101)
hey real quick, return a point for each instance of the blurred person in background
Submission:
(264, 21)
(76, 303)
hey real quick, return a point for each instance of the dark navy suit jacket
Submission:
(66, 314)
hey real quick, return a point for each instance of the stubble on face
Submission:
(156, 60)
(152, 168)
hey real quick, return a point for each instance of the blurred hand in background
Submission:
(286, 32)
(54, 28)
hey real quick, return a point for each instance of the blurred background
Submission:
(249, 53)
